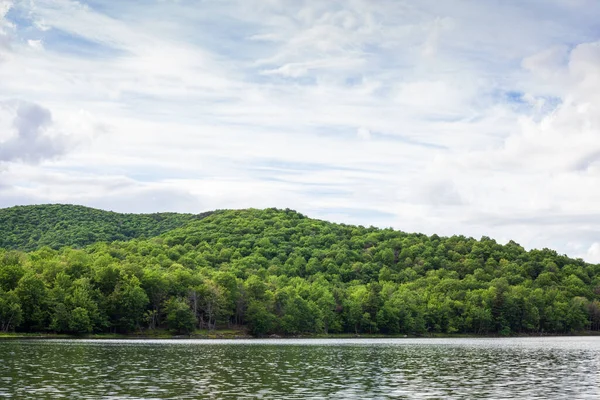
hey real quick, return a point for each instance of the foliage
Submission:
(277, 271)
(58, 225)
(10, 311)
(179, 317)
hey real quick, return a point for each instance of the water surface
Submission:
(534, 368)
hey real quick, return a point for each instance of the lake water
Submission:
(533, 368)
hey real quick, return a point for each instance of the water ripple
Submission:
(533, 368)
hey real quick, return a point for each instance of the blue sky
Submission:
(454, 117)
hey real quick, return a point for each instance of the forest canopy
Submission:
(57, 225)
(276, 271)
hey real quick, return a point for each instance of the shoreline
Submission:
(239, 335)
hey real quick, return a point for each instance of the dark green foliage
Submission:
(57, 225)
(259, 319)
(277, 271)
(33, 296)
(80, 321)
(11, 314)
(127, 304)
(180, 318)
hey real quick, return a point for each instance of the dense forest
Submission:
(277, 271)
(57, 225)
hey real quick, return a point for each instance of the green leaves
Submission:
(180, 318)
(127, 304)
(58, 225)
(276, 271)
(32, 294)
(260, 320)
(11, 313)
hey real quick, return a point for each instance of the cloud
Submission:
(430, 47)
(593, 253)
(35, 44)
(30, 141)
(440, 194)
(6, 29)
(363, 133)
(426, 116)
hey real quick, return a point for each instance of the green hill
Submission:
(58, 225)
(277, 271)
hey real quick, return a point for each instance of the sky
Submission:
(451, 117)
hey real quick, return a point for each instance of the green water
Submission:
(533, 368)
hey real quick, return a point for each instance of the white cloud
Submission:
(363, 133)
(427, 116)
(593, 253)
(6, 29)
(35, 44)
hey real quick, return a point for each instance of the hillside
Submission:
(277, 271)
(57, 225)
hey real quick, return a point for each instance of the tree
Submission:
(180, 318)
(128, 304)
(80, 321)
(32, 294)
(298, 315)
(213, 304)
(60, 319)
(260, 320)
(11, 313)
(353, 307)
(11, 270)
(577, 318)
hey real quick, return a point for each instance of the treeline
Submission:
(57, 225)
(276, 271)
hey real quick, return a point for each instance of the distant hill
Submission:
(278, 272)
(57, 225)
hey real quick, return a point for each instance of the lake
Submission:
(534, 368)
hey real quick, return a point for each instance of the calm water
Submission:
(535, 368)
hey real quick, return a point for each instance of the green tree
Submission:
(128, 304)
(32, 294)
(11, 313)
(80, 321)
(180, 318)
(260, 320)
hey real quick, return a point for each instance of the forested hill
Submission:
(58, 225)
(277, 271)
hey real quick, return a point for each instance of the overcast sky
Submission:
(448, 117)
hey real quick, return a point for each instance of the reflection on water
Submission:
(534, 368)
